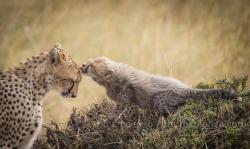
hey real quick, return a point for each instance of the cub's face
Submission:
(99, 69)
(65, 75)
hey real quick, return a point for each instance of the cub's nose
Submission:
(83, 68)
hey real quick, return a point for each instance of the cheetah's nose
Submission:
(73, 96)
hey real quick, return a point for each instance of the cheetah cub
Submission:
(22, 90)
(127, 85)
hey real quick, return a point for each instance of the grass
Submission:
(191, 40)
(198, 124)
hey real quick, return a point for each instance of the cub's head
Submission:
(99, 69)
(64, 74)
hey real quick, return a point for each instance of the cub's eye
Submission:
(87, 67)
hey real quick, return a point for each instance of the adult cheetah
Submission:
(22, 90)
(127, 85)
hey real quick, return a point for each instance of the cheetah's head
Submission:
(99, 69)
(64, 73)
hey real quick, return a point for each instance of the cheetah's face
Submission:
(99, 69)
(65, 75)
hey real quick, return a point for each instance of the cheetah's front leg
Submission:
(29, 140)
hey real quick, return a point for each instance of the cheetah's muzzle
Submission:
(69, 92)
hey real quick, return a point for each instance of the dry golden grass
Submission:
(190, 40)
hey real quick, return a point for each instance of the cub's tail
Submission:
(211, 93)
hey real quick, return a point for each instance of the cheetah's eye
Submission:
(71, 80)
(68, 81)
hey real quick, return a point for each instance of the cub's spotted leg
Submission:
(120, 109)
(6, 147)
(123, 99)
(167, 102)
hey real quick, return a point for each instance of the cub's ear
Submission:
(109, 74)
(54, 56)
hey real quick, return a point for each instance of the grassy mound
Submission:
(198, 124)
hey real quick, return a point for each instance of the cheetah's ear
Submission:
(58, 46)
(54, 56)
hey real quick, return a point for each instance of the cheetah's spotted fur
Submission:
(22, 90)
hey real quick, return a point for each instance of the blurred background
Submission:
(191, 40)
